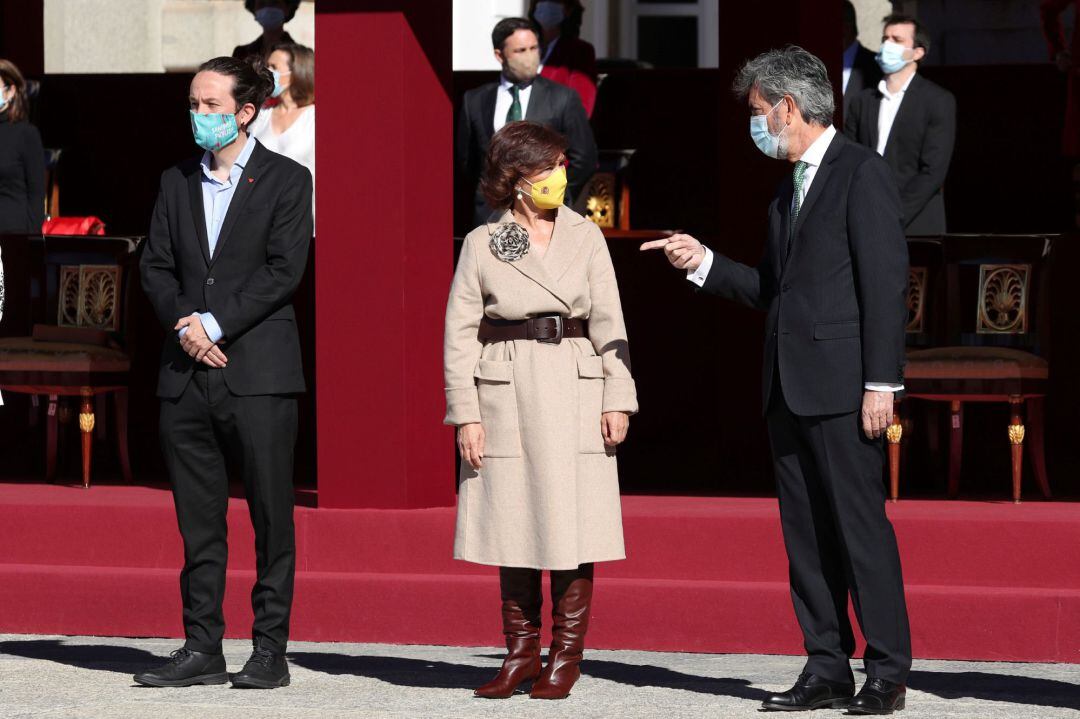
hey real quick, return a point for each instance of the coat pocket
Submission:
(498, 408)
(590, 404)
(836, 330)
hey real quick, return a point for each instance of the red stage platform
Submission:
(984, 580)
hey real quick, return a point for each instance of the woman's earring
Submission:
(520, 196)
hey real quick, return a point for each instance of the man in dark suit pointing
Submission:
(227, 248)
(833, 281)
(520, 94)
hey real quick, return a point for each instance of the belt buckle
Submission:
(558, 331)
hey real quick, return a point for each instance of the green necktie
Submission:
(514, 114)
(796, 205)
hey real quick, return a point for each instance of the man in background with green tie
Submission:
(833, 282)
(520, 94)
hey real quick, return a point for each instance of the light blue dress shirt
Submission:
(217, 196)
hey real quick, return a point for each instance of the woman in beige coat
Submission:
(538, 384)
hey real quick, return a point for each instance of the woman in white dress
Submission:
(288, 127)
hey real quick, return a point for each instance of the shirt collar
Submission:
(849, 54)
(238, 165)
(815, 154)
(505, 84)
(883, 87)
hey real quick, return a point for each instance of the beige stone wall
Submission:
(869, 14)
(129, 36)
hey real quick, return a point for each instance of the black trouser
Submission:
(839, 541)
(203, 432)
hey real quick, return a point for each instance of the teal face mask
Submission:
(213, 131)
(759, 133)
(278, 89)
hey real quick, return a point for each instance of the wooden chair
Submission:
(995, 323)
(52, 182)
(82, 284)
(606, 197)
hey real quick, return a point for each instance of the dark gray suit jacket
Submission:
(836, 294)
(919, 149)
(865, 73)
(551, 104)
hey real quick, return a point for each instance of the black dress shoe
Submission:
(811, 692)
(265, 669)
(879, 696)
(186, 668)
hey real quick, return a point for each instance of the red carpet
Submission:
(984, 580)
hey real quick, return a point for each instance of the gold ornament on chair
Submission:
(1016, 433)
(89, 297)
(916, 300)
(1003, 302)
(600, 202)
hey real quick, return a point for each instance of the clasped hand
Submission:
(197, 344)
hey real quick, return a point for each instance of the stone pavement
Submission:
(45, 676)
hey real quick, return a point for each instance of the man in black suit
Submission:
(911, 122)
(860, 68)
(227, 247)
(833, 281)
(520, 94)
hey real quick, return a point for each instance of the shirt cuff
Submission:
(882, 387)
(698, 276)
(213, 329)
(210, 326)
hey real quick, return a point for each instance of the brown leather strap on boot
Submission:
(571, 596)
(522, 598)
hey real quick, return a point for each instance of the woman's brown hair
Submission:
(302, 67)
(519, 149)
(17, 109)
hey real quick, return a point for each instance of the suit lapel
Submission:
(783, 208)
(244, 187)
(198, 214)
(821, 179)
(531, 265)
(903, 112)
(537, 100)
(566, 242)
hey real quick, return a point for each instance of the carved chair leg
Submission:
(120, 402)
(86, 425)
(52, 419)
(894, 434)
(1016, 439)
(956, 447)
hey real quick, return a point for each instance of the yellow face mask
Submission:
(548, 194)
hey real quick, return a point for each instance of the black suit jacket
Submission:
(836, 303)
(551, 104)
(865, 72)
(918, 151)
(247, 285)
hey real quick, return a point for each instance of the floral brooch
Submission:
(510, 242)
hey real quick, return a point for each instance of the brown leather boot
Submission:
(571, 597)
(522, 598)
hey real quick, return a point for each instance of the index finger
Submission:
(655, 244)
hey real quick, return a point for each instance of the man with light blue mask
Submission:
(911, 122)
(833, 285)
(227, 248)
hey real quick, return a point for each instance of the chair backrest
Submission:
(926, 280)
(997, 285)
(52, 182)
(605, 199)
(85, 282)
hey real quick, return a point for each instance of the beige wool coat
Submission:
(547, 496)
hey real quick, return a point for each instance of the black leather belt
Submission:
(550, 330)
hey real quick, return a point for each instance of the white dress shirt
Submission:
(890, 105)
(813, 157)
(849, 62)
(503, 101)
(296, 142)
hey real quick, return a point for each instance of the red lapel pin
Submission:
(251, 179)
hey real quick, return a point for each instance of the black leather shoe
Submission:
(879, 696)
(265, 669)
(811, 692)
(186, 668)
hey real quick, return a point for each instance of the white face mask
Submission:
(3, 98)
(762, 137)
